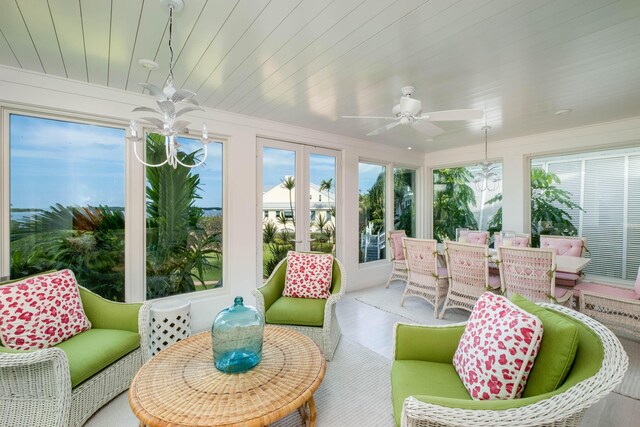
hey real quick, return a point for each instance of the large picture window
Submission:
(184, 219)
(372, 189)
(67, 201)
(461, 200)
(595, 195)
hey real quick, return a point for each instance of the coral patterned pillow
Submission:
(308, 275)
(41, 311)
(498, 348)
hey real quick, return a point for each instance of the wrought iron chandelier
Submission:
(487, 178)
(168, 99)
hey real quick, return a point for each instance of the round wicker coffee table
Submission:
(181, 387)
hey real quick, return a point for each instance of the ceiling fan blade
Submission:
(427, 127)
(452, 115)
(383, 128)
(368, 117)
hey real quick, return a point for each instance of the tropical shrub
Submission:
(452, 200)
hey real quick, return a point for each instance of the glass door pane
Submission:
(322, 203)
(404, 200)
(278, 206)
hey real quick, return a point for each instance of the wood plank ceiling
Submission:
(307, 62)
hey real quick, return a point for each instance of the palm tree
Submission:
(290, 183)
(177, 249)
(453, 198)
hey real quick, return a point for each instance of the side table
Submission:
(169, 322)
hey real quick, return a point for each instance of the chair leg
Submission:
(388, 281)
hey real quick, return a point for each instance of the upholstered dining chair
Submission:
(474, 237)
(468, 268)
(398, 266)
(531, 273)
(566, 246)
(522, 240)
(425, 280)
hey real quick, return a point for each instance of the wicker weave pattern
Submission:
(181, 386)
(615, 312)
(423, 281)
(398, 267)
(468, 267)
(35, 387)
(561, 410)
(328, 336)
(531, 273)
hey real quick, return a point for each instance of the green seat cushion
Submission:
(296, 311)
(416, 377)
(557, 350)
(95, 349)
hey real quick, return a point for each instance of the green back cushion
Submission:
(557, 350)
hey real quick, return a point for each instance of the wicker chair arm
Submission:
(35, 388)
(561, 409)
(272, 289)
(144, 332)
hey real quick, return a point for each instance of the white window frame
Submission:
(135, 201)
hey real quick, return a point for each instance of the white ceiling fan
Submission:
(409, 112)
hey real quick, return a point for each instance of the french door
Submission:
(291, 173)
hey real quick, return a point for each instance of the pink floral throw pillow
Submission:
(498, 348)
(308, 275)
(41, 311)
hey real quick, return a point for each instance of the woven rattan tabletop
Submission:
(181, 386)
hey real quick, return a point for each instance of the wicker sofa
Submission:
(65, 384)
(315, 318)
(427, 391)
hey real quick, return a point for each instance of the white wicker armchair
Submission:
(563, 408)
(326, 336)
(35, 386)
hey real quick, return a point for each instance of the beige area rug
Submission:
(356, 391)
(630, 385)
(415, 309)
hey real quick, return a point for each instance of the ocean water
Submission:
(17, 216)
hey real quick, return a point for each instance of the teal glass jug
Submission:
(236, 337)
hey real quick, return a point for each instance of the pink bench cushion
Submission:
(443, 272)
(567, 247)
(637, 288)
(559, 292)
(611, 291)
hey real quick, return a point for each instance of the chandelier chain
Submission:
(170, 78)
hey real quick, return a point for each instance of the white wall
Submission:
(515, 154)
(33, 91)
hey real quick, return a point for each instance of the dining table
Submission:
(566, 264)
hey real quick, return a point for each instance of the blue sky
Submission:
(279, 163)
(77, 164)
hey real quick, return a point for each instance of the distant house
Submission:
(276, 201)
